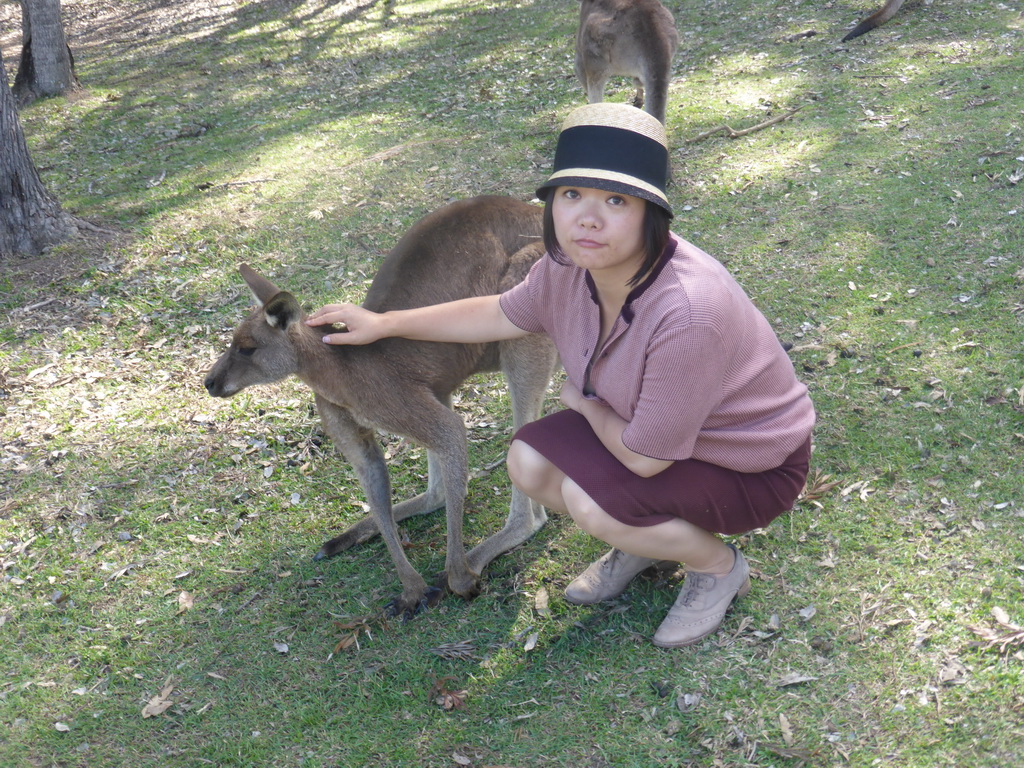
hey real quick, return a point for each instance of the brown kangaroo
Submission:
(628, 38)
(472, 247)
(876, 19)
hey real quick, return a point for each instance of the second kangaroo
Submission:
(629, 38)
(473, 247)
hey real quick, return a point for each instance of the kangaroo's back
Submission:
(461, 250)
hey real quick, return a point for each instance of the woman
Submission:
(684, 419)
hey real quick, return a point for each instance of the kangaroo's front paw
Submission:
(407, 608)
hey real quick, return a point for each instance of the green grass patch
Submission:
(156, 544)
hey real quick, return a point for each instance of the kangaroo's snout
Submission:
(214, 386)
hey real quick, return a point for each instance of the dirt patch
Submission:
(71, 259)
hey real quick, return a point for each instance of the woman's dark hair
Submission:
(655, 236)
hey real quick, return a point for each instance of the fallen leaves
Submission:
(201, 540)
(952, 672)
(352, 630)
(124, 570)
(161, 702)
(794, 678)
(185, 602)
(787, 730)
(1007, 635)
(818, 486)
(463, 650)
(862, 487)
(688, 702)
(829, 561)
(540, 602)
(444, 698)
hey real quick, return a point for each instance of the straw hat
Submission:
(613, 147)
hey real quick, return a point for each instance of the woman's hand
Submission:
(609, 426)
(570, 397)
(361, 325)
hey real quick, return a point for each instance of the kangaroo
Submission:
(480, 246)
(876, 19)
(629, 38)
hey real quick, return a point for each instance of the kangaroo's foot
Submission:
(466, 586)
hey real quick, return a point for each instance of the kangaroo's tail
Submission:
(876, 19)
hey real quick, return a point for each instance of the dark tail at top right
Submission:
(876, 19)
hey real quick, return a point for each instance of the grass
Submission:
(155, 540)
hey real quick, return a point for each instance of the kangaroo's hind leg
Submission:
(528, 363)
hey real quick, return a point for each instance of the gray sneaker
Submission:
(606, 578)
(701, 605)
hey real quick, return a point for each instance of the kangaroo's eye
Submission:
(246, 351)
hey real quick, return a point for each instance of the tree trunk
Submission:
(46, 67)
(30, 219)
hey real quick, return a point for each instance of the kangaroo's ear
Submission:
(282, 311)
(261, 288)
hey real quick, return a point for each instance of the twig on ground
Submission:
(800, 35)
(241, 183)
(250, 601)
(83, 224)
(37, 305)
(734, 134)
(487, 469)
(386, 154)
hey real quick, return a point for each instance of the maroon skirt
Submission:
(714, 498)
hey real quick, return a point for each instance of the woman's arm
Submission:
(474, 320)
(609, 426)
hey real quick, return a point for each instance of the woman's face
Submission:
(600, 231)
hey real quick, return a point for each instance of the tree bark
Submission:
(47, 67)
(31, 220)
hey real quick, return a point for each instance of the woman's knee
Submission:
(587, 514)
(529, 471)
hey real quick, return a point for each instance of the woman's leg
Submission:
(535, 476)
(541, 480)
(675, 540)
(672, 540)
(716, 572)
